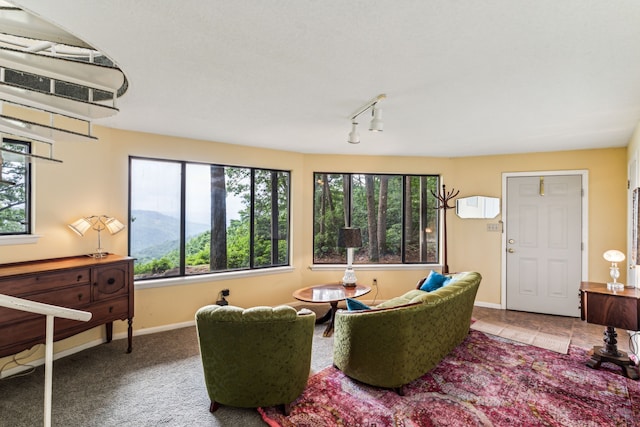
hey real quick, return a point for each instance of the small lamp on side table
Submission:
(349, 238)
(614, 257)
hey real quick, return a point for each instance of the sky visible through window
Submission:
(158, 190)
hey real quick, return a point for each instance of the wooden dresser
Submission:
(103, 287)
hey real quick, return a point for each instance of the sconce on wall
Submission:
(97, 223)
(376, 124)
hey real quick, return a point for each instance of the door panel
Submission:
(544, 244)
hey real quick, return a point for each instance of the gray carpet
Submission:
(159, 384)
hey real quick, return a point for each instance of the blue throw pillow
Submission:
(354, 304)
(434, 281)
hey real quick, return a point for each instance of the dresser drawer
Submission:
(30, 284)
(107, 311)
(75, 297)
(101, 313)
(110, 282)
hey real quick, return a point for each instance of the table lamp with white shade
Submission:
(349, 238)
(614, 257)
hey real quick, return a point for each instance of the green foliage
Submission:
(155, 267)
(198, 249)
(341, 199)
(13, 197)
(270, 202)
(238, 244)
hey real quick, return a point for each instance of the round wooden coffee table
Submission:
(331, 293)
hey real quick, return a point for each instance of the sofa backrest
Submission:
(230, 313)
(458, 284)
(417, 296)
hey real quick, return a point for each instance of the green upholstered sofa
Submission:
(259, 356)
(401, 339)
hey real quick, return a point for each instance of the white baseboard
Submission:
(156, 329)
(487, 305)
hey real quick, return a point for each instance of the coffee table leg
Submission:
(332, 312)
(327, 316)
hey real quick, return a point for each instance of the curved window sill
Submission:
(374, 267)
(204, 278)
(19, 239)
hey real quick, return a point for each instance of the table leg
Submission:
(610, 353)
(329, 316)
(325, 317)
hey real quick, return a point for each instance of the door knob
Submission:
(510, 250)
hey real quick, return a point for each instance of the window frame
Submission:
(252, 268)
(402, 261)
(26, 236)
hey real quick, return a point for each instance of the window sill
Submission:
(19, 239)
(205, 278)
(374, 267)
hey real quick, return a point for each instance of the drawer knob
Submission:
(111, 309)
(79, 277)
(111, 281)
(79, 297)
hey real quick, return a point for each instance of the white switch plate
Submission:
(493, 226)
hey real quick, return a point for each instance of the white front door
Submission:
(544, 243)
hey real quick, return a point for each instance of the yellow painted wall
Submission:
(94, 179)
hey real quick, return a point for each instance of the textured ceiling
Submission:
(461, 77)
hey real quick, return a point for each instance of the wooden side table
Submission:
(330, 293)
(613, 309)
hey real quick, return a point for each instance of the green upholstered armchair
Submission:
(254, 357)
(401, 339)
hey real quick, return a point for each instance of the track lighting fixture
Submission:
(354, 136)
(376, 124)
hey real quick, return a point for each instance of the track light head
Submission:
(354, 136)
(376, 124)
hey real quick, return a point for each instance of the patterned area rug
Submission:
(486, 381)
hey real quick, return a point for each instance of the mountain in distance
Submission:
(154, 234)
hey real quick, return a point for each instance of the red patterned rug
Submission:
(485, 381)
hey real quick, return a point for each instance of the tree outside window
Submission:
(396, 214)
(196, 218)
(15, 188)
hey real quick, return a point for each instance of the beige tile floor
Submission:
(581, 333)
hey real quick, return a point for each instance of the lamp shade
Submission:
(113, 225)
(349, 237)
(613, 255)
(80, 226)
